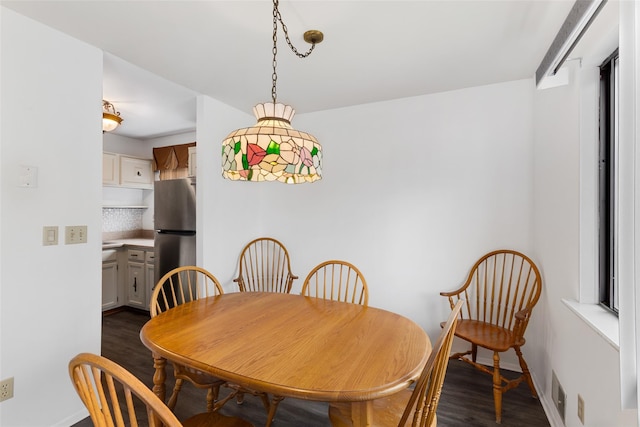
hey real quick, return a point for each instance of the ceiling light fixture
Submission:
(272, 150)
(110, 117)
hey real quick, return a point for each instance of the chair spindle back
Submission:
(265, 267)
(183, 284)
(426, 393)
(114, 396)
(499, 285)
(338, 281)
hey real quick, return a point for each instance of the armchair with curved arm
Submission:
(501, 290)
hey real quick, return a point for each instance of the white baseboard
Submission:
(72, 419)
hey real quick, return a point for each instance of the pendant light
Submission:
(110, 117)
(272, 150)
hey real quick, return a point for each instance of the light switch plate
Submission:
(75, 234)
(28, 176)
(49, 235)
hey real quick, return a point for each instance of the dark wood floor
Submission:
(467, 398)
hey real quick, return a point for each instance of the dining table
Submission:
(290, 345)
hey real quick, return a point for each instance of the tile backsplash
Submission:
(123, 223)
(121, 219)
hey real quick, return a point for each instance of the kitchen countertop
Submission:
(119, 243)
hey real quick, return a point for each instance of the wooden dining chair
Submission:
(265, 267)
(178, 286)
(501, 290)
(115, 397)
(334, 280)
(338, 281)
(417, 406)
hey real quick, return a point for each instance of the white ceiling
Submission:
(161, 54)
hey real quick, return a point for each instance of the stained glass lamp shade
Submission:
(272, 150)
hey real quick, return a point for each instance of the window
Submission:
(608, 286)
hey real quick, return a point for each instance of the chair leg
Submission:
(272, 409)
(497, 387)
(212, 397)
(525, 371)
(263, 396)
(174, 396)
(265, 402)
(474, 352)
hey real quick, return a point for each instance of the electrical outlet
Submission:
(581, 409)
(6, 389)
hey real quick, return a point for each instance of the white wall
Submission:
(124, 145)
(584, 361)
(50, 306)
(177, 139)
(414, 191)
(556, 159)
(229, 214)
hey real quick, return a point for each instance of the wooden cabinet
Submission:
(119, 170)
(110, 279)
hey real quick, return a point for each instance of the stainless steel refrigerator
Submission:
(175, 224)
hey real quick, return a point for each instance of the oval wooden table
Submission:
(292, 346)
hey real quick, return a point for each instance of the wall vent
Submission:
(558, 395)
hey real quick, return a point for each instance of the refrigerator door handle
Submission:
(177, 232)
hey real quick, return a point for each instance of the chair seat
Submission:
(387, 411)
(210, 419)
(492, 337)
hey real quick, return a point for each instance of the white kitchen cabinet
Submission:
(192, 166)
(110, 169)
(149, 268)
(136, 283)
(136, 173)
(110, 279)
(140, 278)
(119, 170)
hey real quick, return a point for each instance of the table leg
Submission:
(159, 376)
(362, 413)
